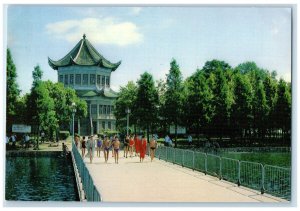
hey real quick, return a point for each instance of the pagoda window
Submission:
(112, 109)
(104, 109)
(100, 109)
(107, 81)
(103, 81)
(108, 109)
(78, 79)
(71, 79)
(61, 78)
(103, 125)
(98, 80)
(85, 79)
(92, 79)
(66, 79)
(94, 108)
(109, 125)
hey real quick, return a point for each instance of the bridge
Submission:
(158, 181)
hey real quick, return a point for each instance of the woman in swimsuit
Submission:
(131, 145)
(126, 146)
(153, 145)
(106, 146)
(116, 148)
(83, 146)
(99, 146)
(91, 147)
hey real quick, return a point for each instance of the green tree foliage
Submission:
(126, 99)
(146, 102)
(283, 107)
(242, 107)
(12, 91)
(172, 108)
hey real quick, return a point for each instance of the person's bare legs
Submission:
(91, 157)
(113, 152)
(115, 156)
(105, 156)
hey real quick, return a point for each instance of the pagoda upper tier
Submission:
(83, 54)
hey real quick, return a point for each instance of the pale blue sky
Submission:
(147, 38)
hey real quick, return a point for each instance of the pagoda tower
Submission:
(89, 73)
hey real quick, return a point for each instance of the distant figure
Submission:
(99, 145)
(143, 148)
(136, 144)
(126, 146)
(65, 150)
(106, 145)
(190, 139)
(116, 147)
(131, 145)
(43, 137)
(91, 147)
(153, 146)
(13, 140)
(83, 147)
(27, 141)
(168, 141)
(7, 142)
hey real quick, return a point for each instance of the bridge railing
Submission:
(264, 178)
(91, 191)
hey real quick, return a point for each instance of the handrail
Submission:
(91, 191)
(274, 180)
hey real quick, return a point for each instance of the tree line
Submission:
(246, 104)
(47, 107)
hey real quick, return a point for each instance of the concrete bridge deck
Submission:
(159, 181)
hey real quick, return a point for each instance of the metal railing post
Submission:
(182, 158)
(205, 164)
(220, 168)
(239, 174)
(174, 151)
(193, 161)
(262, 179)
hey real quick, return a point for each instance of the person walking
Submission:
(190, 139)
(131, 145)
(153, 146)
(91, 147)
(99, 145)
(143, 148)
(83, 147)
(106, 145)
(126, 146)
(116, 146)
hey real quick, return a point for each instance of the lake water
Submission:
(39, 177)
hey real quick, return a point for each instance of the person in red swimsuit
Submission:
(136, 145)
(143, 148)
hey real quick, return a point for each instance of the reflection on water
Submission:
(46, 178)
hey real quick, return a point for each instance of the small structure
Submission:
(89, 73)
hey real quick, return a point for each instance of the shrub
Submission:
(63, 135)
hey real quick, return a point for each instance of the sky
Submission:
(147, 38)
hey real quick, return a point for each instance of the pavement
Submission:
(160, 181)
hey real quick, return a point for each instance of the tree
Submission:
(283, 109)
(198, 109)
(126, 99)
(37, 75)
(147, 102)
(173, 97)
(12, 91)
(242, 106)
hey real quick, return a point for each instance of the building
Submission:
(89, 73)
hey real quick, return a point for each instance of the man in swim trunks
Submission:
(106, 145)
(126, 146)
(116, 148)
(153, 145)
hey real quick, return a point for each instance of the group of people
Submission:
(137, 144)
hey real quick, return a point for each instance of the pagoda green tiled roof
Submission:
(92, 93)
(83, 54)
